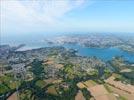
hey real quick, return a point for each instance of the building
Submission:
(19, 70)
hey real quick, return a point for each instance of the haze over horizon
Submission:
(43, 16)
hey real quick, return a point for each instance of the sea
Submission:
(102, 53)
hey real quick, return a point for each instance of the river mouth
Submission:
(103, 53)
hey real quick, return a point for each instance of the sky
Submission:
(52, 16)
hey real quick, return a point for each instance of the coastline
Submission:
(102, 53)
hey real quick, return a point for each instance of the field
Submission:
(123, 95)
(86, 84)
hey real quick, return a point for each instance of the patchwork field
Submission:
(124, 95)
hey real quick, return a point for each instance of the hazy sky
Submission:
(42, 16)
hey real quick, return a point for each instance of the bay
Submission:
(102, 53)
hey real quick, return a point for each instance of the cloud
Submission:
(18, 15)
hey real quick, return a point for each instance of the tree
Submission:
(37, 68)
(86, 93)
(68, 71)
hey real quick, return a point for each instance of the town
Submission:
(102, 40)
(66, 49)
(57, 73)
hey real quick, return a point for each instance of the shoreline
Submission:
(100, 53)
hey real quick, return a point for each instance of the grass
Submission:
(13, 85)
(90, 83)
(41, 83)
(108, 88)
(81, 85)
(3, 88)
(9, 81)
(122, 98)
(6, 79)
(52, 90)
(25, 95)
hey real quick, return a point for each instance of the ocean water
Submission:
(37, 41)
(102, 53)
